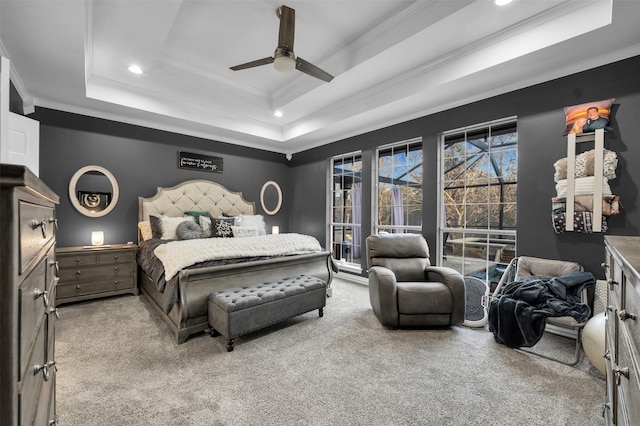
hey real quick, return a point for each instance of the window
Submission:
(346, 208)
(478, 199)
(399, 188)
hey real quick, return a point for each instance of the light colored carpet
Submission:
(119, 364)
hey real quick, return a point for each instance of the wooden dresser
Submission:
(92, 272)
(622, 263)
(27, 299)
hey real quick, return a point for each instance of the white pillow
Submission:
(244, 231)
(170, 225)
(205, 224)
(145, 230)
(252, 221)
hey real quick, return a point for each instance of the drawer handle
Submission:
(116, 283)
(45, 369)
(115, 257)
(604, 265)
(54, 263)
(54, 422)
(115, 268)
(619, 372)
(611, 283)
(624, 315)
(78, 273)
(42, 293)
(55, 312)
(35, 224)
(610, 308)
(54, 221)
(77, 288)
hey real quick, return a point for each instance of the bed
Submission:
(182, 301)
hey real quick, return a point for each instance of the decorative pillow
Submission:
(252, 221)
(205, 224)
(164, 227)
(587, 117)
(189, 231)
(197, 214)
(145, 230)
(244, 231)
(156, 226)
(221, 227)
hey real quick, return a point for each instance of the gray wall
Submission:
(541, 123)
(142, 159)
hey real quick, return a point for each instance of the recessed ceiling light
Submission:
(135, 69)
(277, 113)
(502, 2)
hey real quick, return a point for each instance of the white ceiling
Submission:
(393, 60)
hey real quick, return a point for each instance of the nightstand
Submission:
(94, 272)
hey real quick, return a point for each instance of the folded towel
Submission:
(583, 186)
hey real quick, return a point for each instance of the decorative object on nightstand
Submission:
(97, 238)
(96, 271)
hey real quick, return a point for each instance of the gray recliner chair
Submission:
(405, 290)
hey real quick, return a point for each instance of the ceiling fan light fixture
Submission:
(284, 61)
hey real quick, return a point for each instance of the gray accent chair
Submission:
(527, 266)
(405, 290)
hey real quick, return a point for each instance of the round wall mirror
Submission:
(268, 193)
(93, 191)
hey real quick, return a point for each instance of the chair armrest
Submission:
(383, 295)
(454, 280)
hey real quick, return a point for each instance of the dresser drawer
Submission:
(116, 257)
(86, 274)
(30, 383)
(32, 310)
(628, 381)
(66, 291)
(36, 231)
(73, 260)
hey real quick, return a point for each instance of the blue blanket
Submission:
(518, 315)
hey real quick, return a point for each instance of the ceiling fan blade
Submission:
(287, 27)
(312, 70)
(257, 63)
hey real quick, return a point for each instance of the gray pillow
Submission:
(189, 230)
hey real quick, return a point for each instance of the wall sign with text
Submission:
(190, 160)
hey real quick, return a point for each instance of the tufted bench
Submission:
(240, 310)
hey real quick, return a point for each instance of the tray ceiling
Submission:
(393, 60)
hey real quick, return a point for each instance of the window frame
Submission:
(375, 190)
(497, 245)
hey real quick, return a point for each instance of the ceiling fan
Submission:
(283, 58)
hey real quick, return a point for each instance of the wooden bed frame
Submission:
(189, 315)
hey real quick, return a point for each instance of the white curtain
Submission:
(356, 217)
(397, 215)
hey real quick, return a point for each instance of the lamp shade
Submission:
(97, 238)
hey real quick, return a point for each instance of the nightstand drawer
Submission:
(72, 260)
(115, 257)
(66, 291)
(95, 273)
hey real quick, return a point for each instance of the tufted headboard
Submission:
(194, 195)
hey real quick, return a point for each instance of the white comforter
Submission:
(177, 255)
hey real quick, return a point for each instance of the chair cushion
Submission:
(408, 269)
(424, 297)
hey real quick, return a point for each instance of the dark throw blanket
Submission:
(518, 315)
